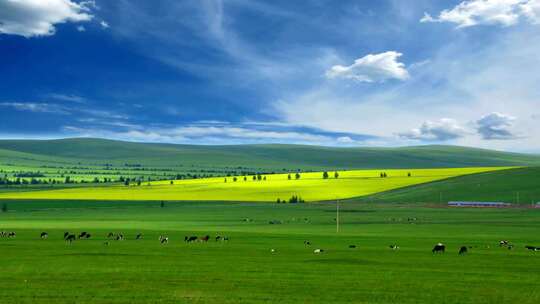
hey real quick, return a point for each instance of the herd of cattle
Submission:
(163, 239)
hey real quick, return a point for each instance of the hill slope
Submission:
(97, 151)
(519, 185)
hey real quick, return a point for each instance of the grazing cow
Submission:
(204, 239)
(218, 238)
(307, 243)
(394, 247)
(82, 235)
(272, 250)
(533, 248)
(190, 239)
(352, 246)
(318, 251)
(164, 240)
(119, 237)
(226, 238)
(439, 248)
(66, 235)
(462, 250)
(503, 243)
(87, 236)
(139, 236)
(44, 235)
(70, 238)
(12, 234)
(110, 235)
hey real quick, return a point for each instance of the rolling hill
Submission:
(274, 156)
(520, 185)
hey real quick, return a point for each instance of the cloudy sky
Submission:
(340, 73)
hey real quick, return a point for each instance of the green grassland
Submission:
(310, 187)
(244, 270)
(518, 186)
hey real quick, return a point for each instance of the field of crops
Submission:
(244, 270)
(308, 186)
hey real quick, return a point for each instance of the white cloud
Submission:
(441, 130)
(35, 107)
(104, 24)
(67, 97)
(31, 18)
(496, 126)
(210, 133)
(81, 28)
(531, 10)
(372, 68)
(476, 12)
(345, 140)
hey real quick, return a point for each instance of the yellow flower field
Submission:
(311, 187)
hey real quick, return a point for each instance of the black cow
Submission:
(82, 234)
(70, 238)
(190, 239)
(352, 246)
(462, 250)
(439, 248)
(533, 248)
(44, 235)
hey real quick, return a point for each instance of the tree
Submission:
(4, 208)
(278, 201)
(325, 175)
(126, 183)
(297, 175)
(409, 174)
(336, 174)
(234, 179)
(289, 176)
(225, 179)
(162, 205)
(245, 179)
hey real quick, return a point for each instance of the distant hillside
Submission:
(512, 186)
(273, 156)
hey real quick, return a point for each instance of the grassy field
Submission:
(310, 186)
(244, 270)
(518, 186)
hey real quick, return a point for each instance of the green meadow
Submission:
(244, 270)
(100, 186)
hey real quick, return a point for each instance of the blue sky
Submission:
(341, 73)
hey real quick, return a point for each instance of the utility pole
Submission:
(337, 216)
